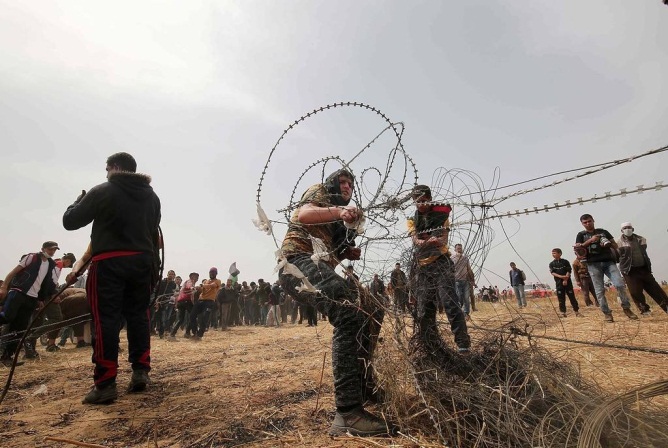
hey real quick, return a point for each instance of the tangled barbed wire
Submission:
(509, 391)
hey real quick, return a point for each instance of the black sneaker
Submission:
(83, 344)
(139, 381)
(52, 348)
(7, 362)
(358, 422)
(630, 314)
(101, 395)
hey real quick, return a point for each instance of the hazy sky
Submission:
(199, 92)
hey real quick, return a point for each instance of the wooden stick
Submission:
(322, 372)
(74, 442)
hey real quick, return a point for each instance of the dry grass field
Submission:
(266, 387)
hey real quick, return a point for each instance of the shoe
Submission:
(7, 362)
(578, 314)
(139, 381)
(646, 313)
(608, 317)
(171, 338)
(187, 336)
(103, 395)
(52, 348)
(62, 343)
(463, 350)
(358, 422)
(30, 354)
(563, 315)
(589, 303)
(161, 335)
(630, 314)
(83, 344)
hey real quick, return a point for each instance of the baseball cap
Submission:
(50, 245)
(420, 190)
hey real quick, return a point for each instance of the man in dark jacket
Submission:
(125, 212)
(32, 281)
(398, 284)
(636, 267)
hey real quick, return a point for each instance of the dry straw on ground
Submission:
(254, 386)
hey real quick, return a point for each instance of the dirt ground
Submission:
(255, 386)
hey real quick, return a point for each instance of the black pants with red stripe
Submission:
(117, 288)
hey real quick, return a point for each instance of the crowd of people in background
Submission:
(119, 291)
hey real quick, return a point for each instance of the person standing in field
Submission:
(636, 267)
(583, 280)
(560, 269)
(434, 273)
(317, 227)
(125, 212)
(462, 278)
(517, 279)
(597, 245)
(399, 286)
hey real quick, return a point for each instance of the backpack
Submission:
(524, 277)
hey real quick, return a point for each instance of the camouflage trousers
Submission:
(434, 284)
(356, 327)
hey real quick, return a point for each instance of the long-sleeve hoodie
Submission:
(125, 212)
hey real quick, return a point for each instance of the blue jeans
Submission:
(463, 297)
(596, 271)
(519, 295)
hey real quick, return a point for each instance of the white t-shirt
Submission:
(43, 269)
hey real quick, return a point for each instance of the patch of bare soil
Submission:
(256, 386)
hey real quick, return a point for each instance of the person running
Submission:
(184, 304)
(206, 306)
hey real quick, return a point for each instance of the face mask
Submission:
(627, 232)
(46, 255)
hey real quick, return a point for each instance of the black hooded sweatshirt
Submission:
(125, 212)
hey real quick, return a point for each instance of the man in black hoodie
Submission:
(125, 212)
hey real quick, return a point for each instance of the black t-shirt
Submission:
(595, 251)
(560, 267)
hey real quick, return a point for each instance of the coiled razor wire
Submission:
(508, 392)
